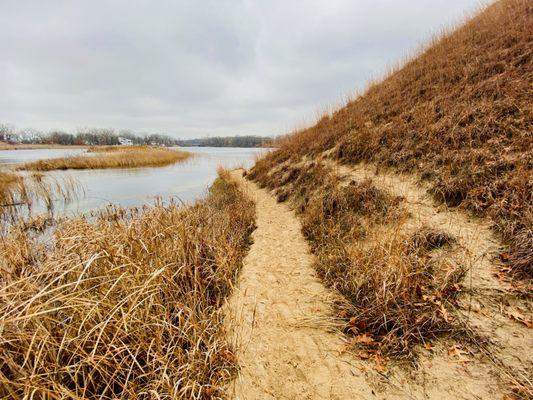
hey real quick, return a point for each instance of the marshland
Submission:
(383, 249)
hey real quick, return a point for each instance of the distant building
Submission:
(125, 142)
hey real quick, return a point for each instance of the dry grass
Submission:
(8, 181)
(118, 148)
(459, 115)
(112, 157)
(18, 193)
(125, 306)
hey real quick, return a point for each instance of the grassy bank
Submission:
(126, 306)
(459, 116)
(112, 157)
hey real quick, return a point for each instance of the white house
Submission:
(125, 142)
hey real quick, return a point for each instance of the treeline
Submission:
(108, 137)
(228, 141)
(84, 136)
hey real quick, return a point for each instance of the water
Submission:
(13, 157)
(133, 187)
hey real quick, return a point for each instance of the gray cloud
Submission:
(192, 68)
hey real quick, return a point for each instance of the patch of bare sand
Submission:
(287, 345)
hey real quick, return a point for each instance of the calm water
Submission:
(133, 187)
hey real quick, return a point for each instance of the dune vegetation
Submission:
(458, 116)
(112, 157)
(125, 305)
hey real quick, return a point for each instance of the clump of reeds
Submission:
(127, 305)
(114, 157)
(19, 193)
(400, 293)
(9, 183)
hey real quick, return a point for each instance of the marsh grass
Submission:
(19, 194)
(112, 157)
(124, 306)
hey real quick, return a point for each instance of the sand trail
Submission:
(281, 320)
(287, 348)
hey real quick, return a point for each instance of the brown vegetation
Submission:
(19, 192)
(124, 306)
(459, 115)
(112, 157)
(7, 181)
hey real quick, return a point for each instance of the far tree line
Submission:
(107, 137)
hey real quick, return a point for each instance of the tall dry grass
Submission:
(8, 181)
(460, 115)
(20, 193)
(125, 306)
(112, 157)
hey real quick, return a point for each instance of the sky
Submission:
(192, 68)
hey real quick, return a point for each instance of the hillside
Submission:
(459, 115)
(416, 200)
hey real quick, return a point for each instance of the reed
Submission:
(124, 306)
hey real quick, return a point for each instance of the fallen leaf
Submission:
(518, 315)
(455, 352)
(364, 354)
(444, 313)
(364, 339)
(504, 257)
(379, 364)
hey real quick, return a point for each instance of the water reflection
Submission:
(133, 187)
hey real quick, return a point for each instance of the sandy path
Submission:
(280, 314)
(281, 322)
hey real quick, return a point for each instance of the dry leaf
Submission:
(455, 352)
(518, 315)
(379, 363)
(364, 354)
(364, 339)
(444, 313)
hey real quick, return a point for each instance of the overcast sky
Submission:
(196, 68)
